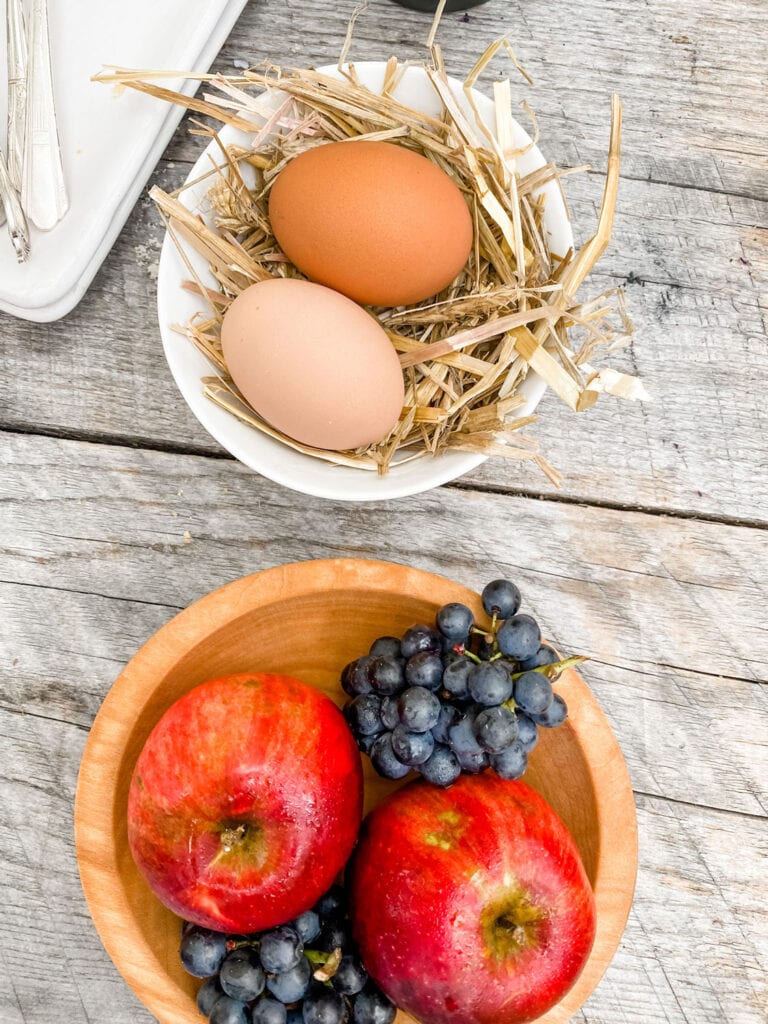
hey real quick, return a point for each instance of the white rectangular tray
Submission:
(110, 141)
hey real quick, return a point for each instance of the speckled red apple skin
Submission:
(428, 862)
(265, 752)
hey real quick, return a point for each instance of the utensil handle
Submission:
(17, 89)
(44, 193)
(17, 222)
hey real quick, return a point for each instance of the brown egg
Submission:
(314, 364)
(376, 221)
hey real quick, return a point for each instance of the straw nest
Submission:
(514, 309)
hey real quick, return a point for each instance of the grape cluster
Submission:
(456, 698)
(303, 972)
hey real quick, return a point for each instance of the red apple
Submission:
(471, 904)
(245, 802)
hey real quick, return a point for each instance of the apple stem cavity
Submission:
(232, 836)
(241, 838)
(511, 925)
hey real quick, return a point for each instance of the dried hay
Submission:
(464, 353)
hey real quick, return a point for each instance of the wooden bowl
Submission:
(308, 620)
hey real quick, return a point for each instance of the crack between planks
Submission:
(137, 442)
(25, 713)
(711, 189)
(198, 451)
(646, 668)
(91, 593)
(611, 506)
(700, 807)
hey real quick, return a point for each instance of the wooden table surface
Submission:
(118, 510)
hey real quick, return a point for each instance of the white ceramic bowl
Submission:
(263, 454)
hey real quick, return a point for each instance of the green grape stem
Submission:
(326, 963)
(555, 670)
(552, 672)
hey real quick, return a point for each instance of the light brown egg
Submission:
(376, 221)
(313, 364)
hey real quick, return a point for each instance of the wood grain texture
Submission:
(689, 246)
(100, 545)
(119, 539)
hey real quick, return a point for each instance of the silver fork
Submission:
(43, 190)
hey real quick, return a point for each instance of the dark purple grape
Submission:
(554, 715)
(528, 734)
(229, 1011)
(268, 1011)
(411, 748)
(519, 637)
(365, 743)
(280, 949)
(354, 678)
(455, 620)
(461, 736)
(418, 709)
(294, 1015)
(324, 1006)
(448, 715)
(307, 925)
(385, 675)
(533, 693)
(350, 976)
(385, 645)
(371, 1006)
(472, 761)
(495, 729)
(456, 678)
(501, 598)
(510, 763)
(290, 986)
(384, 760)
(207, 995)
(420, 638)
(335, 934)
(241, 975)
(442, 767)
(544, 656)
(424, 669)
(490, 683)
(332, 903)
(364, 715)
(202, 951)
(390, 714)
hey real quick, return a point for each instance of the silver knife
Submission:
(17, 222)
(43, 190)
(17, 89)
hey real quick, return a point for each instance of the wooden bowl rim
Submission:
(94, 811)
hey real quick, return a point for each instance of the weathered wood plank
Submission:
(689, 884)
(691, 75)
(101, 545)
(694, 260)
(699, 446)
